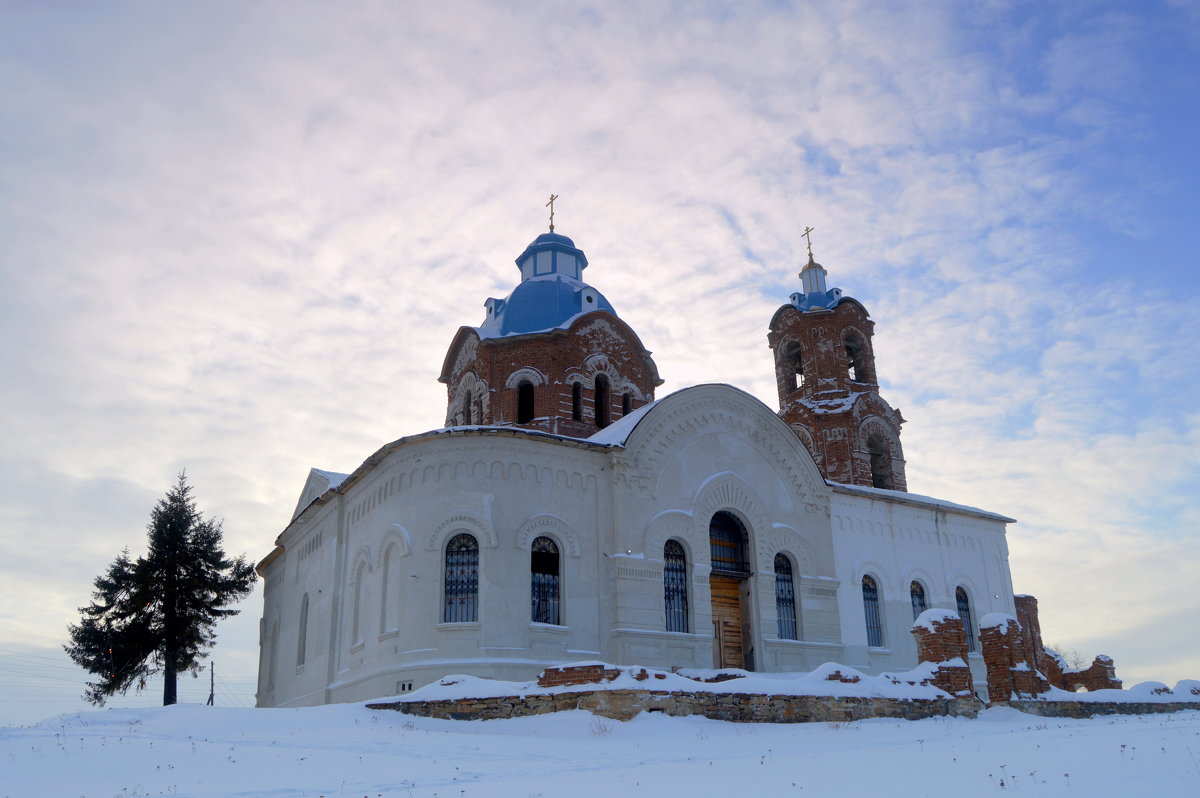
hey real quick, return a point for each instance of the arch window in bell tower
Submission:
(856, 358)
(793, 363)
(881, 462)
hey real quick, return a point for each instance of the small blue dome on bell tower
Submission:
(551, 253)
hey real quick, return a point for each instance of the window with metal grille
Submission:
(917, 593)
(577, 401)
(525, 402)
(466, 410)
(964, 612)
(785, 598)
(462, 579)
(602, 400)
(675, 586)
(543, 591)
(727, 544)
(870, 593)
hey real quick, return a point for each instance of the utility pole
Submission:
(212, 681)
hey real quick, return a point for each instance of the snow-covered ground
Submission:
(348, 750)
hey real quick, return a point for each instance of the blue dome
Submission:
(551, 293)
(542, 303)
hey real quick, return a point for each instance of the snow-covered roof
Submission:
(618, 432)
(904, 497)
(335, 478)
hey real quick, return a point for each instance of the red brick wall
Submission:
(941, 642)
(1009, 673)
(1100, 675)
(562, 356)
(577, 674)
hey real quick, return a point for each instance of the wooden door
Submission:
(727, 621)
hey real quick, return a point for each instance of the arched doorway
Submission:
(729, 584)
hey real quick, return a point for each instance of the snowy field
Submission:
(347, 750)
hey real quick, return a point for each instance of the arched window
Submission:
(855, 358)
(727, 543)
(626, 403)
(870, 593)
(524, 402)
(389, 609)
(793, 364)
(466, 410)
(602, 401)
(881, 462)
(302, 640)
(917, 593)
(785, 598)
(577, 401)
(964, 612)
(675, 586)
(462, 579)
(544, 587)
(356, 611)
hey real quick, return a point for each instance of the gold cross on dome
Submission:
(808, 237)
(550, 205)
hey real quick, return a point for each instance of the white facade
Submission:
(355, 590)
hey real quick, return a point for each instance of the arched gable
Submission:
(673, 421)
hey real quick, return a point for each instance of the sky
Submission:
(237, 239)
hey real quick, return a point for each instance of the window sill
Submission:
(460, 625)
(299, 669)
(389, 634)
(879, 650)
(357, 647)
(548, 627)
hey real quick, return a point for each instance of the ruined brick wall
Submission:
(834, 403)
(1009, 673)
(1100, 675)
(1031, 631)
(596, 343)
(942, 641)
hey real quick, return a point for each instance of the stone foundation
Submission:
(738, 707)
(1088, 709)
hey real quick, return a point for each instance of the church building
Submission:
(565, 514)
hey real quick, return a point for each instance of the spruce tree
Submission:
(157, 614)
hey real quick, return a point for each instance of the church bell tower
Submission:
(828, 388)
